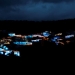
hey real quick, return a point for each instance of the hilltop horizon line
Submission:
(39, 21)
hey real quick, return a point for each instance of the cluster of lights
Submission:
(42, 36)
(5, 51)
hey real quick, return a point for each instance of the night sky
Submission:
(37, 10)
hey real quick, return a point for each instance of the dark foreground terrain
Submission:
(46, 53)
(42, 55)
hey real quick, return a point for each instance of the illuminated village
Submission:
(28, 40)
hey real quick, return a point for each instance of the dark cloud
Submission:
(19, 2)
(36, 9)
(53, 1)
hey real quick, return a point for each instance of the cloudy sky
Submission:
(37, 9)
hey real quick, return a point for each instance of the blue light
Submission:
(37, 40)
(29, 36)
(5, 47)
(69, 36)
(1, 52)
(17, 53)
(21, 43)
(8, 52)
(46, 34)
(16, 43)
(55, 38)
(1, 49)
(1, 45)
(11, 34)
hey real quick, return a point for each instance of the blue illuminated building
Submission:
(11, 34)
(21, 43)
(1, 53)
(5, 48)
(29, 36)
(69, 36)
(55, 38)
(46, 34)
(8, 52)
(17, 53)
(37, 40)
(1, 49)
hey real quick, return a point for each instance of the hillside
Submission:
(32, 26)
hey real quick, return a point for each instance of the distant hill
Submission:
(32, 26)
